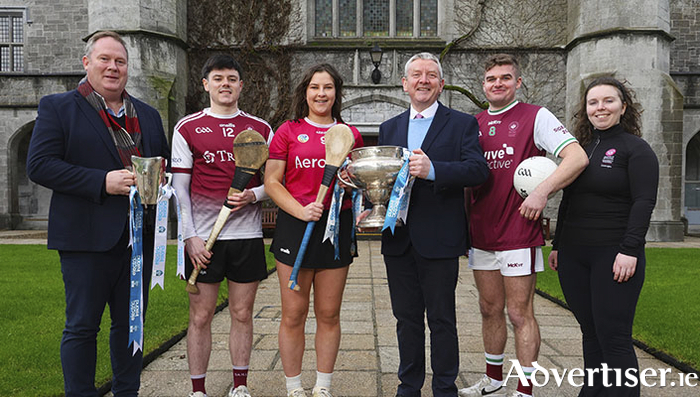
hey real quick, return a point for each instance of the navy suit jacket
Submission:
(70, 152)
(436, 226)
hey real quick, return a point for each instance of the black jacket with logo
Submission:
(611, 202)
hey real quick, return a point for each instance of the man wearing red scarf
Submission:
(81, 149)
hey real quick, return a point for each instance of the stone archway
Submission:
(29, 202)
(692, 183)
(367, 112)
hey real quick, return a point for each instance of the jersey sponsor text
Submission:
(496, 158)
(309, 163)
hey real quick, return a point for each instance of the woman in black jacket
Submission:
(599, 242)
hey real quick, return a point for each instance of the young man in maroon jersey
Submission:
(505, 229)
(203, 167)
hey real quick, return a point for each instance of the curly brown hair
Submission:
(631, 120)
(299, 105)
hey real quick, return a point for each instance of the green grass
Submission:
(32, 315)
(32, 319)
(668, 311)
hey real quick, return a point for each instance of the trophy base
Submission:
(375, 220)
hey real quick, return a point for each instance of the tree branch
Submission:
(469, 94)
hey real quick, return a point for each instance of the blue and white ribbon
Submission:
(400, 195)
(406, 199)
(136, 289)
(332, 224)
(356, 209)
(357, 199)
(161, 235)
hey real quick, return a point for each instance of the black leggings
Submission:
(605, 310)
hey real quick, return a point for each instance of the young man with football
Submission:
(505, 229)
(203, 167)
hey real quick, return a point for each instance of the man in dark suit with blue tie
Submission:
(422, 257)
(81, 148)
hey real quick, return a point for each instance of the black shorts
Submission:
(289, 232)
(241, 261)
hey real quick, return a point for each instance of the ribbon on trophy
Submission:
(400, 196)
(356, 210)
(148, 190)
(333, 224)
(135, 288)
(161, 235)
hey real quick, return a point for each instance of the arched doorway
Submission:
(369, 111)
(692, 183)
(29, 202)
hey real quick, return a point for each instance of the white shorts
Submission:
(520, 262)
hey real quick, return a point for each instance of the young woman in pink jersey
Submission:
(292, 179)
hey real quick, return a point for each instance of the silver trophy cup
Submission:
(374, 169)
(149, 173)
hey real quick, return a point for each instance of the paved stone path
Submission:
(368, 358)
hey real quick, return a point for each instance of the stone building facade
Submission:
(561, 44)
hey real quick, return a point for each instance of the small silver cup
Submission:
(374, 169)
(149, 173)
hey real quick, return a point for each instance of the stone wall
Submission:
(601, 44)
(509, 24)
(560, 44)
(55, 25)
(685, 59)
(155, 33)
(53, 39)
(685, 27)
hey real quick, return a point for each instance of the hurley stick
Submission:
(250, 151)
(339, 141)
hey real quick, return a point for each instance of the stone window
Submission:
(11, 41)
(375, 18)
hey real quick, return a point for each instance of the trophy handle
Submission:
(344, 166)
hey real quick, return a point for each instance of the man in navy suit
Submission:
(81, 148)
(422, 257)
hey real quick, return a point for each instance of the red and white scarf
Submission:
(127, 140)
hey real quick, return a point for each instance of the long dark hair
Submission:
(299, 105)
(631, 120)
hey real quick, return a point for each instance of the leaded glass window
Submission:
(324, 18)
(4, 58)
(4, 28)
(348, 18)
(11, 41)
(375, 18)
(404, 18)
(428, 18)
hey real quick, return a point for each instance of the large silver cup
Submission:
(374, 169)
(149, 173)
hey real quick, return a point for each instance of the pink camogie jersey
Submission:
(509, 136)
(203, 147)
(301, 144)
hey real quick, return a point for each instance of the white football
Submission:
(531, 172)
